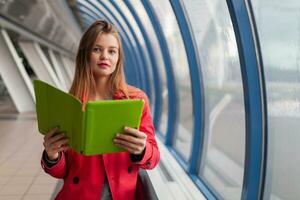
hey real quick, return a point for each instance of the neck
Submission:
(102, 91)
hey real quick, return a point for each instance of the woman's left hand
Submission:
(134, 141)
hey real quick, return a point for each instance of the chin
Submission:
(102, 74)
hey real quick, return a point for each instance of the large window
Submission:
(184, 129)
(278, 25)
(222, 164)
(141, 12)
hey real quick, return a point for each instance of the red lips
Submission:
(103, 65)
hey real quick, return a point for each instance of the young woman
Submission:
(99, 75)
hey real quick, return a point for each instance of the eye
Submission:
(96, 50)
(112, 52)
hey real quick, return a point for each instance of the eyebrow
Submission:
(113, 47)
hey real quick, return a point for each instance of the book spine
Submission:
(83, 146)
(88, 124)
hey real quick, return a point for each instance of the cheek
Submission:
(115, 60)
(93, 58)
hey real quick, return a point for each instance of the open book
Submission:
(91, 131)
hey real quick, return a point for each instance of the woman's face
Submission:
(104, 55)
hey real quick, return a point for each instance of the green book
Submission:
(91, 131)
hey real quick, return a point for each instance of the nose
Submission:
(104, 55)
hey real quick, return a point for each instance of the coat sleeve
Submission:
(57, 170)
(151, 155)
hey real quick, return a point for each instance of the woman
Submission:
(99, 75)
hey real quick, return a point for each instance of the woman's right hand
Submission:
(55, 142)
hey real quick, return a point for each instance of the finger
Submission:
(66, 147)
(135, 132)
(131, 145)
(129, 149)
(57, 146)
(56, 138)
(130, 138)
(54, 147)
(131, 131)
(61, 148)
(59, 143)
(51, 133)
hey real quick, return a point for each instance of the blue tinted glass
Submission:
(222, 164)
(184, 129)
(139, 8)
(278, 25)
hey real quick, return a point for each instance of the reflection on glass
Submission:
(40, 18)
(7, 105)
(141, 41)
(184, 130)
(141, 12)
(48, 59)
(222, 164)
(278, 26)
(65, 80)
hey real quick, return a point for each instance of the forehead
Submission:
(106, 40)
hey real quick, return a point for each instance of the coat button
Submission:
(129, 169)
(75, 180)
(148, 164)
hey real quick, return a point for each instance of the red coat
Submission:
(84, 175)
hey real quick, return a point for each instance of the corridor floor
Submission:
(21, 176)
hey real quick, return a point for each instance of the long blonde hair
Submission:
(83, 81)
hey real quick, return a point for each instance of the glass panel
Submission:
(112, 13)
(223, 157)
(278, 24)
(66, 79)
(184, 130)
(40, 18)
(7, 105)
(15, 38)
(141, 12)
(47, 56)
(141, 41)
